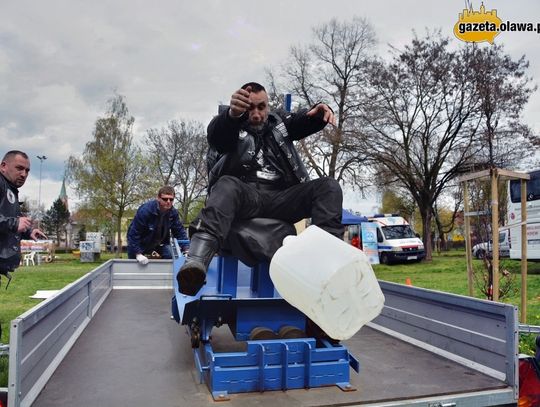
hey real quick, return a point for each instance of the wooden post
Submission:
(523, 313)
(468, 250)
(495, 174)
(495, 231)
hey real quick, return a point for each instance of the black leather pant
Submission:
(231, 199)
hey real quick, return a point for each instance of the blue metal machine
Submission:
(244, 298)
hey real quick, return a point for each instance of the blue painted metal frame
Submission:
(273, 365)
(244, 298)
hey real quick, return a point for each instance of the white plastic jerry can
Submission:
(330, 281)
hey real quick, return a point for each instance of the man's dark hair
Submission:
(13, 153)
(255, 87)
(166, 190)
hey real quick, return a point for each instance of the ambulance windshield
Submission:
(398, 232)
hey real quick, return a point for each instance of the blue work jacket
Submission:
(141, 232)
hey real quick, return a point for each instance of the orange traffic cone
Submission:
(408, 281)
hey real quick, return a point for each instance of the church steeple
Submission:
(63, 195)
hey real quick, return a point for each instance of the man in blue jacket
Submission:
(150, 231)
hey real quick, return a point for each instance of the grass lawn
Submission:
(447, 272)
(28, 279)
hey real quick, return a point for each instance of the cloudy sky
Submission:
(60, 61)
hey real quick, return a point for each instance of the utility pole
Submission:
(41, 158)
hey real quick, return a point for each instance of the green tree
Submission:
(96, 219)
(112, 174)
(394, 202)
(55, 220)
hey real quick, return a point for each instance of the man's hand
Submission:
(240, 102)
(325, 112)
(142, 259)
(36, 233)
(24, 224)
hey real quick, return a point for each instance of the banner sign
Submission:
(369, 242)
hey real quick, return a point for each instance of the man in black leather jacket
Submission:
(255, 171)
(14, 170)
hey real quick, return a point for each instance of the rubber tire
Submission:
(480, 254)
(385, 259)
(262, 333)
(291, 332)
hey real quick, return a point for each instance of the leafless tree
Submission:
(504, 89)
(178, 152)
(427, 118)
(422, 114)
(331, 70)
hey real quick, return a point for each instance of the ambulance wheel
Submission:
(480, 254)
(385, 259)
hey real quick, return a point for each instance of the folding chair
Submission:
(29, 258)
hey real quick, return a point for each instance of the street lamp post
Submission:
(41, 158)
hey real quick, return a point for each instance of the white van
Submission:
(533, 217)
(480, 250)
(396, 240)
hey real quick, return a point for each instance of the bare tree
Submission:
(111, 174)
(422, 116)
(178, 152)
(332, 69)
(504, 89)
(426, 116)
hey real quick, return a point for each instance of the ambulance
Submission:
(396, 240)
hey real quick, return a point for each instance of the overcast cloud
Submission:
(60, 61)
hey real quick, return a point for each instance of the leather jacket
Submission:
(10, 239)
(233, 146)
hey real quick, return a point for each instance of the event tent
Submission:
(349, 218)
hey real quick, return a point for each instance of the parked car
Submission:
(481, 249)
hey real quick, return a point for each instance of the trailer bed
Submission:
(132, 354)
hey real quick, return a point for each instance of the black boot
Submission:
(7, 275)
(192, 274)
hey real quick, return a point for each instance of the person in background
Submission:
(355, 241)
(257, 172)
(150, 231)
(14, 168)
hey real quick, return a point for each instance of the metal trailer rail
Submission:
(41, 337)
(426, 349)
